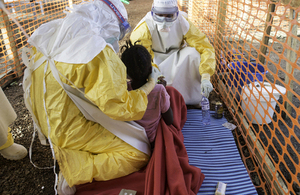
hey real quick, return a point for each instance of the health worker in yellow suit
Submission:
(78, 53)
(182, 53)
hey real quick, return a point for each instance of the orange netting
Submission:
(258, 77)
(258, 74)
(30, 14)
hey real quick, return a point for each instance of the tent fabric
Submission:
(168, 171)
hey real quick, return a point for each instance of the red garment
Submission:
(168, 171)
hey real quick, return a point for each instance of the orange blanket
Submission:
(168, 171)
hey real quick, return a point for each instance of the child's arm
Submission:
(168, 116)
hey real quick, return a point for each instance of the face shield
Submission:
(124, 29)
(124, 25)
(164, 13)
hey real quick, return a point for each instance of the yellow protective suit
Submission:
(182, 53)
(6, 138)
(194, 38)
(84, 149)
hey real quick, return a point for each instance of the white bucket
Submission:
(263, 95)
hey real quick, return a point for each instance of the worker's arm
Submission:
(105, 83)
(200, 42)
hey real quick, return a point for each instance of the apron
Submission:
(178, 62)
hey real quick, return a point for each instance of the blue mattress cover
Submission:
(213, 149)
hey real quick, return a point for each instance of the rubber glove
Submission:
(155, 73)
(206, 86)
(152, 79)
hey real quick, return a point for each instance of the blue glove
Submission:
(206, 86)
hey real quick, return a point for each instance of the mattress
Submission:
(213, 149)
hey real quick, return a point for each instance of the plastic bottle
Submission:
(205, 110)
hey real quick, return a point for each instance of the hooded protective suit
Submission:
(180, 51)
(82, 47)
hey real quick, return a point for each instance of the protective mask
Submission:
(163, 26)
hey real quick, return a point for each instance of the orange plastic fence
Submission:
(30, 14)
(258, 76)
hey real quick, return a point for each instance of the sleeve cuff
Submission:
(205, 76)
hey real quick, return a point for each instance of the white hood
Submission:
(81, 35)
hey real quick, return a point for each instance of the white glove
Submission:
(152, 80)
(155, 73)
(206, 86)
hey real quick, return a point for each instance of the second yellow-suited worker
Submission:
(182, 53)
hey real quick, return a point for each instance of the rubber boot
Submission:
(14, 152)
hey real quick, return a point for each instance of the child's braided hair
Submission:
(137, 60)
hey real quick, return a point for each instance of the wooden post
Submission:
(220, 28)
(71, 3)
(191, 8)
(9, 42)
(292, 56)
(265, 41)
(221, 23)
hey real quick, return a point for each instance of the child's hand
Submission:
(160, 80)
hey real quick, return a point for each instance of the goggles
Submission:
(124, 25)
(164, 17)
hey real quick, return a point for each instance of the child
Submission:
(138, 62)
